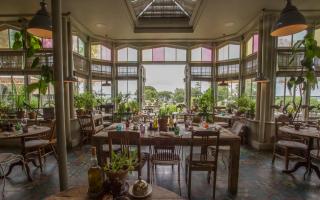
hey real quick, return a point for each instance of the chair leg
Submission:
(4, 181)
(40, 159)
(223, 160)
(274, 154)
(53, 148)
(286, 154)
(148, 170)
(209, 176)
(179, 178)
(186, 172)
(214, 184)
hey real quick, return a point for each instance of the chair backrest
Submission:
(52, 124)
(238, 127)
(205, 136)
(165, 149)
(86, 123)
(127, 141)
(281, 120)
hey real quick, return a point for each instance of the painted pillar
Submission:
(70, 68)
(59, 92)
(66, 84)
(267, 66)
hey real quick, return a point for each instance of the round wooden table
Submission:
(32, 131)
(80, 193)
(309, 133)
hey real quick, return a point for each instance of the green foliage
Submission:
(121, 161)
(150, 93)
(167, 110)
(85, 100)
(206, 102)
(132, 106)
(178, 95)
(165, 96)
(33, 103)
(245, 104)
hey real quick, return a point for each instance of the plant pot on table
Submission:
(163, 124)
(21, 114)
(48, 113)
(32, 115)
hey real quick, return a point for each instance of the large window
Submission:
(100, 52)
(315, 102)
(228, 69)
(252, 45)
(228, 93)
(201, 54)
(101, 89)
(127, 55)
(162, 54)
(80, 86)
(127, 71)
(229, 52)
(78, 45)
(289, 40)
(128, 87)
(205, 71)
(7, 38)
(283, 94)
(251, 88)
(102, 69)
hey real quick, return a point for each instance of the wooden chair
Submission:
(87, 128)
(129, 140)
(286, 146)
(42, 145)
(205, 160)
(165, 152)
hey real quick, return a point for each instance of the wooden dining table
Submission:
(32, 132)
(80, 193)
(227, 138)
(308, 133)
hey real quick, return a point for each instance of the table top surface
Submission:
(311, 132)
(80, 193)
(32, 131)
(225, 116)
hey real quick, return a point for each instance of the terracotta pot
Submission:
(48, 113)
(32, 115)
(21, 114)
(80, 112)
(163, 124)
(117, 182)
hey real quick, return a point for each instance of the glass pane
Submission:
(132, 55)
(196, 54)
(122, 87)
(122, 55)
(132, 87)
(223, 53)
(234, 51)
(317, 36)
(169, 54)
(11, 35)
(298, 36)
(181, 55)
(46, 43)
(255, 43)
(105, 53)
(4, 39)
(206, 55)
(249, 47)
(96, 87)
(81, 47)
(75, 43)
(284, 41)
(280, 86)
(96, 51)
(158, 54)
(147, 55)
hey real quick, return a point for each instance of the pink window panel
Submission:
(206, 55)
(158, 54)
(255, 43)
(46, 43)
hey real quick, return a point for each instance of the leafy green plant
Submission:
(132, 106)
(206, 102)
(33, 103)
(167, 110)
(245, 104)
(18, 96)
(85, 100)
(122, 161)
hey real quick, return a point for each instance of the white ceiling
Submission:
(117, 24)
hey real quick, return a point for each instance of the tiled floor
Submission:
(259, 180)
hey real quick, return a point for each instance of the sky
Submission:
(165, 77)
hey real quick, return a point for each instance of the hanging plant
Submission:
(307, 75)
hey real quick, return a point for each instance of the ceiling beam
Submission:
(181, 8)
(146, 8)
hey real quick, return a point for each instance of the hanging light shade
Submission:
(291, 21)
(223, 83)
(70, 79)
(261, 79)
(41, 25)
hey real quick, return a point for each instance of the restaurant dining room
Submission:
(159, 99)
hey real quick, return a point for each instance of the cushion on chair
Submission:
(6, 157)
(292, 144)
(36, 143)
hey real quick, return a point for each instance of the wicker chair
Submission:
(286, 146)
(129, 140)
(42, 145)
(165, 152)
(87, 128)
(205, 160)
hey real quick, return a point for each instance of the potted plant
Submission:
(242, 103)
(48, 111)
(32, 107)
(79, 104)
(19, 97)
(251, 110)
(164, 113)
(117, 170)
(89, 101)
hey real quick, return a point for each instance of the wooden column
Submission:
(114, 92)
(70, 68)
(88, 56)
(59, 92)
(187, 79)
(66, 84)
(242, 80)
(267, 65)
(140, 80)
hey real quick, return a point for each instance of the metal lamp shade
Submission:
(70, 79)
(260, 79)
(291, 21)
(41, 24)
(223, 84)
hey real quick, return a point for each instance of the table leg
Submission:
(98, 146)
(23, 164)
(233, 173)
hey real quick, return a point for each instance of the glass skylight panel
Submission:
(181, 55)
(132, 55)
(206, 55)
(122, 55)
(158, 54)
